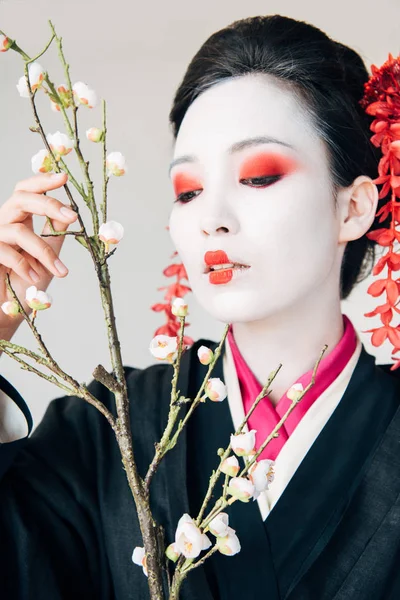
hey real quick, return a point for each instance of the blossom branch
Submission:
(162, 446)
(27, 367)
(73, 204)
(103, 206)
(223, 502)
(47, 360)
(121, 425)
(224, 454)
(198, 397)
(84, 164)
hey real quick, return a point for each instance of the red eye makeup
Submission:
(184, 183)
(263, 164)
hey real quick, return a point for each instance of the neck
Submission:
(294, 338)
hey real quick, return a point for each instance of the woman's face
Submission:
(267, 205)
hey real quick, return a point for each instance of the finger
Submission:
(42, 182)
(18, 263)
(27, 240)
(24, 203)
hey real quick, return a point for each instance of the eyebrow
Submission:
(236, 147)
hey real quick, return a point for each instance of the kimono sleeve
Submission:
(51, 543)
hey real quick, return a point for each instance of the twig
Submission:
(103, 206)
(198, 397)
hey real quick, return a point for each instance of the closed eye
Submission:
(260, 182)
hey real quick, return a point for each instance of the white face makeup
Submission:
(284, 228)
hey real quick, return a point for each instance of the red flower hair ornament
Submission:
(381, 100)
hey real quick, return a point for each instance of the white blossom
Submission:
(164, 347)
(111, 233)
(115, 163)
(36, 299)
(230, 466)
(189, 540)
(84, 95)
(179, 307)
(219, 525)
(42, 162)
(295, 391)
(244, 444)
(35, 76)
(215, 389)
(60, 144)
(205, 355)
(139, 558)
(94, 134)
(229, 544)
(261, 474)
(241, 488)
(10, 308)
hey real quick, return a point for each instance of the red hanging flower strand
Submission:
(382, 100)
(175, 290)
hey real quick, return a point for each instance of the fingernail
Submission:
(67, 212)
(33, 275)
(61, 268)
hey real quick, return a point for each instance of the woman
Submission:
(272, 170)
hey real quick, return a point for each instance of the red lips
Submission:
(217, 257)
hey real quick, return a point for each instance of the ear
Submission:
(357, 205)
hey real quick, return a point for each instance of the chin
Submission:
(237, 307)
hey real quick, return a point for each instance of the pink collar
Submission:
(266, 416)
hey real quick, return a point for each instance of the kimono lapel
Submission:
(311, 507)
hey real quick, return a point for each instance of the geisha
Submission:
(272, 172)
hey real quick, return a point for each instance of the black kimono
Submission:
(68, 524)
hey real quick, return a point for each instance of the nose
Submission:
(215, 222)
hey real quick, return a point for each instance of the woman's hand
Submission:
(28, 258)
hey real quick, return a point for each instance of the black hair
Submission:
(326, 76)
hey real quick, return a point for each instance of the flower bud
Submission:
(164, 347)
(60, 144)
(229, 544)
(219, 525)
(42, 162)
(205, 355)
(94, 134)
(215, 389)
(10, 308)
(241, 488)
(230, 466)
(115, 163)
(5, 43)
(36, 299)
(295, 391)
(244, 444)
(65, 95)
(179, 307)
(111, 233)
(172, 552)
(139, 558)
(84, 95)
(35, 76)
